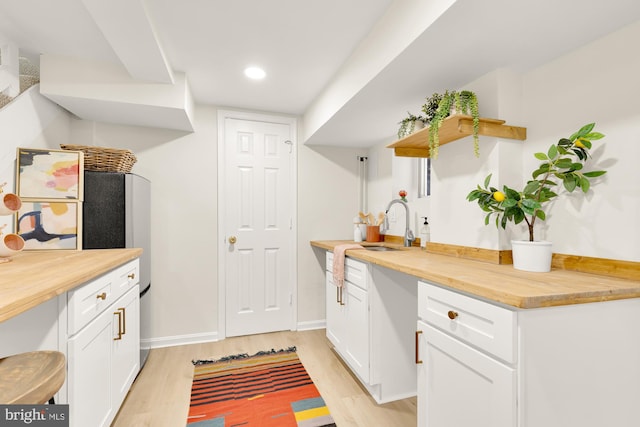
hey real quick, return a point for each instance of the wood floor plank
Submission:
(160, 395)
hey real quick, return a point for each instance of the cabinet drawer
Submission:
(88, 301)
(354, 271)
(126, 277)
(486, 326)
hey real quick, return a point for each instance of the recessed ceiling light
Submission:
(254, 73)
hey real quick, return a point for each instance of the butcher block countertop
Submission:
(31, 278)
(494, 282)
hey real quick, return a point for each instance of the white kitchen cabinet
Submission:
(348, 315)
(335, 317)
(484, 364)
(103, 345)
(371, 322)
(461, 386)
(90, 373)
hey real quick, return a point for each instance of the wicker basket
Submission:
(104, 159)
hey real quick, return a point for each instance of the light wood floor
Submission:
(160, 395)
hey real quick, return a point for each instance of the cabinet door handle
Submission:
(452, 314)
(131, 276)
(337, 294)
(124, 319)
(341, 295)
(418, 361)
(102, 296)
(119, 314)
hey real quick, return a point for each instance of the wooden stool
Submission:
(31, 378)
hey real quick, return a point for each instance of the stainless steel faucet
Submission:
(408, 234)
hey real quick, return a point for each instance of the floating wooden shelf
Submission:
(452, 129)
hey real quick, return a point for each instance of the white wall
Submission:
(597, 83)
(29, 121)
(182, 168)
(327, 203)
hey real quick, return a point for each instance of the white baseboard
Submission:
(312, 324)
(213, 336)
(179, 340)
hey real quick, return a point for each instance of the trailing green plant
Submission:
(430, 107)
(563, 162)
(464, 102)
(408, 124)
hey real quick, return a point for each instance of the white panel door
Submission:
(258, 220)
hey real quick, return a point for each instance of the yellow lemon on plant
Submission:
(499, 196)
(579, 144)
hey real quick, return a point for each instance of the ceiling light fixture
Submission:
(254, 73)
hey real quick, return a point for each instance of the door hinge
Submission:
(290, 299)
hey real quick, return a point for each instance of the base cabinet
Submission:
(488, 365)
(370, 321)
(102, 336)
(348, 316)
(453, 376)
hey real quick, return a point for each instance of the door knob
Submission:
(232, 239)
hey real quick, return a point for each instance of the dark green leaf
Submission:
(518, 216)
(585, 143)
(576, 166)
(531, 187)
(486, 219)
(582, 155)
(511, 194)
(564, 163)
(594, 174)
(564, 142)
(507, 203)
(569, 182)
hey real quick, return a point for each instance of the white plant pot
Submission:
(531, 256)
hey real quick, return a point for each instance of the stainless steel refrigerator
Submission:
(117, 214)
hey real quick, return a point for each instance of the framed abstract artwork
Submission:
(49, 174)
(52, 224)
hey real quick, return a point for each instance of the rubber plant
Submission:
(408, 125)
(562, 163)
(463, 102)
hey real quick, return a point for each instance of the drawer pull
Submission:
(341, 295)
(452, 314)
(131, 276)
(418, 361)
(102, 296)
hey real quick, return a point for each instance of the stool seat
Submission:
(31, 378)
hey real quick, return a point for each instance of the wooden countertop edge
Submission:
(18, 294)
(527, 290)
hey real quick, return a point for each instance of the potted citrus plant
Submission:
(463, 102)
(562, 163)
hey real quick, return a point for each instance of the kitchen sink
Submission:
(380, 248)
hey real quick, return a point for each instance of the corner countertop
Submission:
(33, 277)
(498, 283)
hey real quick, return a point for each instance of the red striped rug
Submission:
(268, 389)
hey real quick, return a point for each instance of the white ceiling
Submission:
(302, 45)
